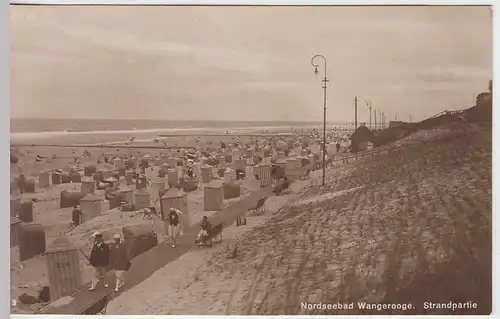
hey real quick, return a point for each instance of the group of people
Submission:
(103, 258)
(116, 257)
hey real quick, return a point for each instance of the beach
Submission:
(30, 275)
(307, 244)
(394, 229)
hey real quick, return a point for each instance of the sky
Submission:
(246, 63)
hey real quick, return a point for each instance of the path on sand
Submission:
(179, 288)
(144, 265)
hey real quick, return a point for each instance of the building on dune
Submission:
(362, 139)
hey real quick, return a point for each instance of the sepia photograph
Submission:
(251, 160)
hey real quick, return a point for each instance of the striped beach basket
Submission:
(265, 175)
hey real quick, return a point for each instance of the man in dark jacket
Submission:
(119, 260)
(99, 259)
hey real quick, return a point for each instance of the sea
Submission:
(30, 129)
(27, 125)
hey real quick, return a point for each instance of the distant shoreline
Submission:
(95, 135)
(61, 126)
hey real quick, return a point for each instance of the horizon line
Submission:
(173, 120)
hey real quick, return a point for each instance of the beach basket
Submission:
(15, 230)
(89, 170)
(213, 196)
(70, 199)
(90, 206)
(29, 185)
(142, 200)
(25, 212)
(76, 177)
(65, 178)
(31, 241)
(15, 204)
(231, 190)
(63, 268)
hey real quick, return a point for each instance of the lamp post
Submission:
(325, 81)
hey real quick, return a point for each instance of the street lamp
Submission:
(325, 81)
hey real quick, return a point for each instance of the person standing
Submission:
(99, 259)
(173, 224)
(76, 216)
(119, 260)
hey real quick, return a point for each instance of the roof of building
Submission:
(60, 244)
(363, 133)
(90, 197)
(173, 193)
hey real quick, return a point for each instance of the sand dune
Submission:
(386, 226)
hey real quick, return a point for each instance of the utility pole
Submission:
(370, 114)
(410, 118)
(380, 119)
(355, 113)
(375, 115)
(369, 104)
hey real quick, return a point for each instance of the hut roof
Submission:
(173, 193)
(214, 184)
(90, 198)
(142, 193)
(125, 189)
(158, 180)
(363, 133)
(60, 244)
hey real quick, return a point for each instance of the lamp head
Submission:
(315, 70)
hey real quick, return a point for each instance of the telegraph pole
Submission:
(369, 104)
(370, 114)
(355, 113)
(375, 115)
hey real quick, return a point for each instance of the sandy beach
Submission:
(30, 276)
(210, 281)
(338, 244)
